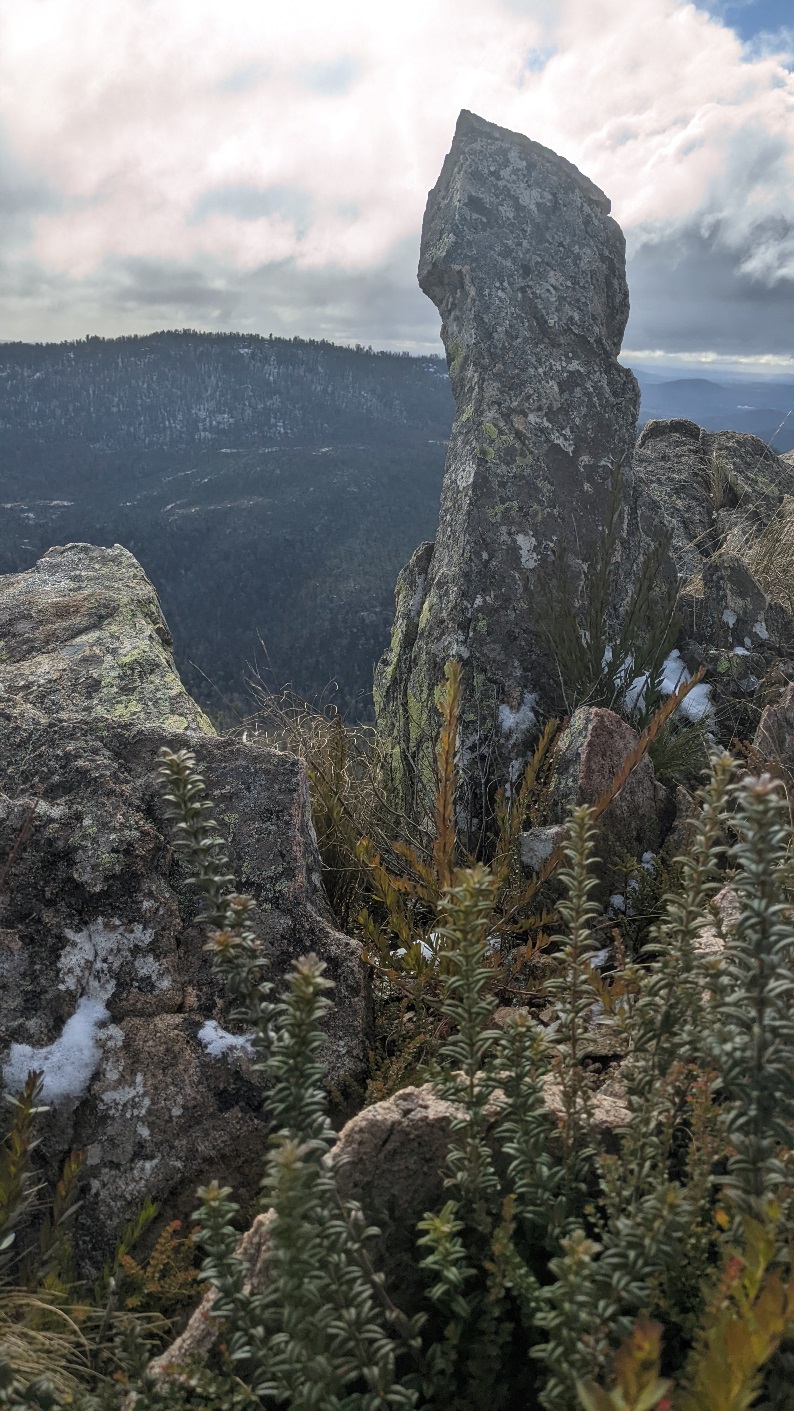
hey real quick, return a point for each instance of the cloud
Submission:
(689, 294)
(265, 166)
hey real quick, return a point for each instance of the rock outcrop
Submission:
(774, 740)
(591, 752)
(526, 266)
(82, 632)
(106, 984)
(719, 494)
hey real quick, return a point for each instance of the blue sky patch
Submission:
(750, 18)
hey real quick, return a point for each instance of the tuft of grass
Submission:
(769, 555)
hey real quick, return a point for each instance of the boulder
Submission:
(704, 484)
(390, 1159)
(591, 752)
(82, 632)
(527, 269)
(774, 740)
(107, 985)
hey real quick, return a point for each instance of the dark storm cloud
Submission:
(379, 305)
(690, 293)
(382, 305)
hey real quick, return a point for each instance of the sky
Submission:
(263, 166)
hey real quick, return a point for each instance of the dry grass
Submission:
(38, 1339)
(769, 554)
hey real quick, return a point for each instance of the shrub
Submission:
(558, 1274)
(561, 1272)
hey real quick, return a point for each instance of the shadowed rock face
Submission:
(527, 269)
(106, 984)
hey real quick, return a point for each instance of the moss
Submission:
(495, 512)
(490, 430)
(455, 355)
(180, 722)
(481, 623)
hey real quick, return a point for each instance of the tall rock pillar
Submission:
(527, 269)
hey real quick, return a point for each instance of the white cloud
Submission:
(233, 137)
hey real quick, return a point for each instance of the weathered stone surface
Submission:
(82, 632)
(591, 751)
(526, 267)
(774, 738)
(538, 844)
(703, 484)
(107, 985)
(715, 492)
(725, 913)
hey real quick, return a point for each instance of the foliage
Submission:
(571, 1264)
(62, 1342)
(680, 754)
(167, 1278)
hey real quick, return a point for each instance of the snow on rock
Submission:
(68, 1064)
(217, 1041)
(517, 723)
(697, 705)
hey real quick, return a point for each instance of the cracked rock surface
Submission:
(107, 986)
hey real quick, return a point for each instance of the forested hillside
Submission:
(271, 488)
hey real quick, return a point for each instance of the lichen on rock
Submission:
(107, 986)
(84, 634)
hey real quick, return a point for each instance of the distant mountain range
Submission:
(272, 488)
(764, 408)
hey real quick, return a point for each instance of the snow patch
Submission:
(217, 1041)
(729, 617)
(759, 629)
(697, 705)
(69, 1063)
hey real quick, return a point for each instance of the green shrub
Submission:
(561, 1272)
